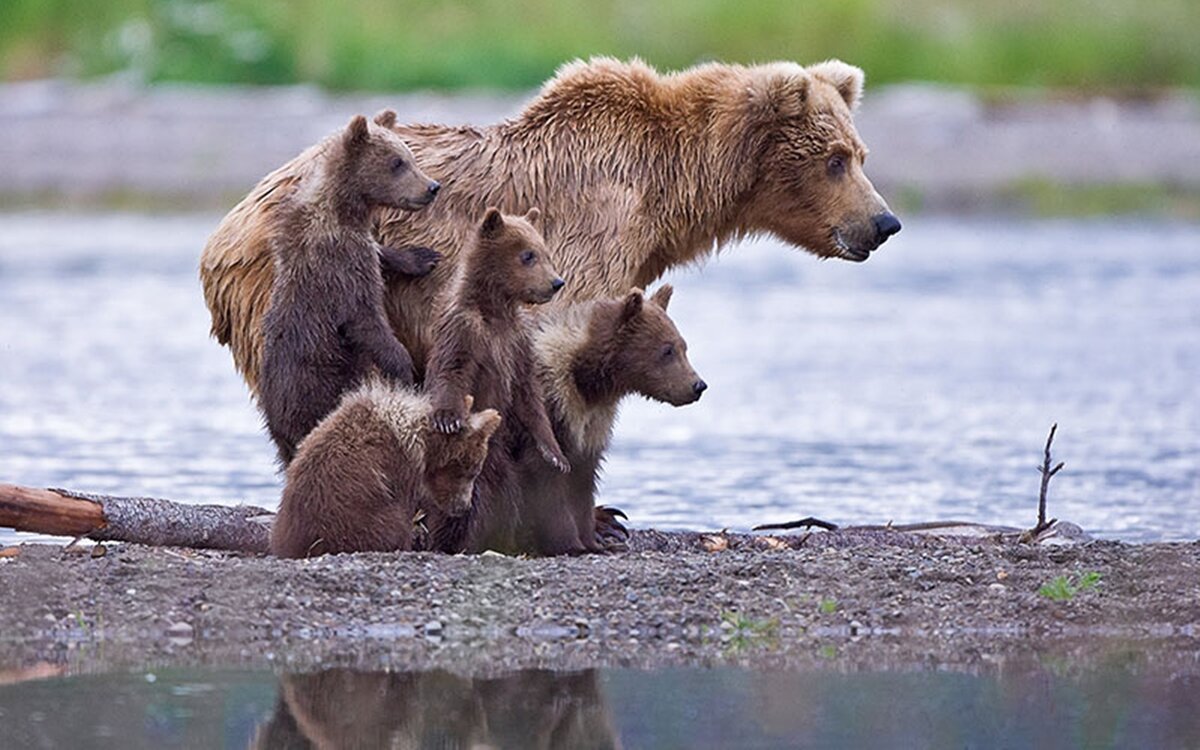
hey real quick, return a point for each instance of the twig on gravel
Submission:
(1047, 472)
(803, 523)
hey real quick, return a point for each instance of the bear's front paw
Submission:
(424, 260)
(447, 421)
(556, 458)
(611, 534)
(410, 261)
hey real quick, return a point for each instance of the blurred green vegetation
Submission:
(393, 44)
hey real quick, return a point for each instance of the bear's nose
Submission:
(434, 187)
(699, 387)
(557, 284)
(886, 224)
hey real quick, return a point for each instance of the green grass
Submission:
(389, 44)
(1064, 588)
(1047, 198)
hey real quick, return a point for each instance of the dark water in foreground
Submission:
(917, 386)
(1052, 705)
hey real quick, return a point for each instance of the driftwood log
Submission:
(142, 520)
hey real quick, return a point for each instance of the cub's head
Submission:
(512, 251)
(811, 190)
(452, 462)
(646, 354)
(379, 167)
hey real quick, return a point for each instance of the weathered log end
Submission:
(141, 520)
(49, 512)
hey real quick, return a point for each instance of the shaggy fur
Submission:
(362, 475)
(482, 348)
(591, 356)
(635, 171)
(326, 325)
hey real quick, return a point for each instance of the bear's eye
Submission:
(528, 257)
(667, 351)
(398, 165)
(836, 165)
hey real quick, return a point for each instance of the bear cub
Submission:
(360, 478)
(482, 345)
(325, 327)
(590, 356)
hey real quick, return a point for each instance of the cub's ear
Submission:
(355, 136)
(533, 215)
(662, 296)
(492, 222)
(632, 306)
(484, 424)
(847, 79)
(386, 118)
(468, 402)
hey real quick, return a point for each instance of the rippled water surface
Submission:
(917, 386)
(1116, 705)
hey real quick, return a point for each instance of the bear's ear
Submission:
(484, 424)
(847, 79)
(356, 133)
(492, 222)
(662, 296)
(779, 90)
(386, 118)
(533, 215)
(631, 307)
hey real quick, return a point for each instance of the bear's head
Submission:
(379, 168)
(633, 347)
(453, 461)
(511, 252)
(810, 189)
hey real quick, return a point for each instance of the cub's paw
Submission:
(447, 421)
(556, 458)
(410, 261)
(611, 534)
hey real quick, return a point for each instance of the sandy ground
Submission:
(115, 143)
(883, 597)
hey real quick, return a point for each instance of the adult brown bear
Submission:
(635, 172)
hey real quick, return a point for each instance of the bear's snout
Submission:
(699, 387)
(886, 224)
(557, 284)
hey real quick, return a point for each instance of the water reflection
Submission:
(342, 708)
(1131, 698)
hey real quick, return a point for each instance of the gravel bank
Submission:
(885, 598)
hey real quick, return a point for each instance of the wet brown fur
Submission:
(636, 173)
(326, 326)
(591, 356)
(362, 475)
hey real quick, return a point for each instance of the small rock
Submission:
(997, 588)
(432, 627)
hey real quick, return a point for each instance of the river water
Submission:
(917, 386)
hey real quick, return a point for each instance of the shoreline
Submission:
(882, 598)
(192, 147)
